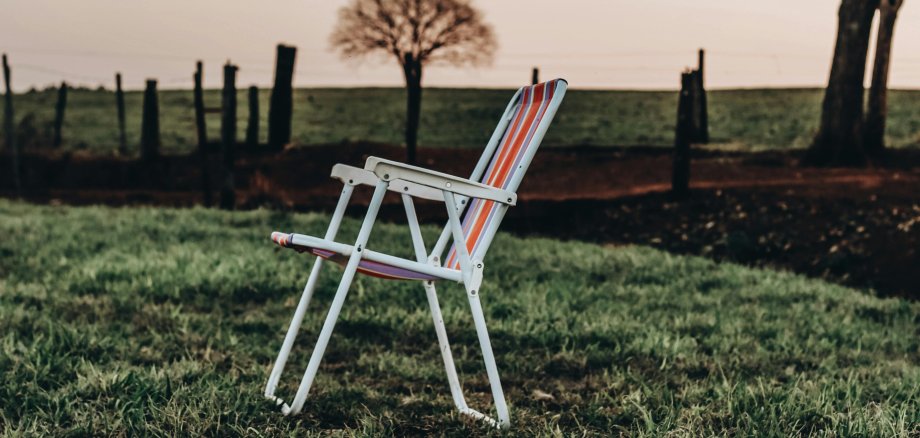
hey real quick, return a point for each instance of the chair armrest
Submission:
(356, 176)
(388, 170)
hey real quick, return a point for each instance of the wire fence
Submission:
(775, 65)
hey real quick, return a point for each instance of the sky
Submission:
(608, 44)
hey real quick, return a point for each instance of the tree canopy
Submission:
(424, 31)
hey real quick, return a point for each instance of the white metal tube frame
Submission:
(470, 275)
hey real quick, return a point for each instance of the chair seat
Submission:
(366, 267)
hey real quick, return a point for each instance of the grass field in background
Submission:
(740, 119)
(141, 321)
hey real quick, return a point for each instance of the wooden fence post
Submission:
(120, 105)
(200, 124)
(202, 130)
(228, 136)
(252, 128)
(150, 123)
(696, 123)
(535, 76)
(703, 108)
(59, 114)
(282, 101)
(9, 129)
(680, 177)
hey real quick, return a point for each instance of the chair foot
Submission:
(488, 356)
(472, 413)
(278, 401)
(285, 408)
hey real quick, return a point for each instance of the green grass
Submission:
(740, 119)
(142, 321)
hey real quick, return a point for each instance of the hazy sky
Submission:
(592, 43)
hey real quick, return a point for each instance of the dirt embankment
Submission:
(860, 227)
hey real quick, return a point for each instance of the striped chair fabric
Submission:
(506, 162)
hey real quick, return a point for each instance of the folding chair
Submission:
(485, 197)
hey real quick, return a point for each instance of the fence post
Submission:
(252, 128)
(228, 136)
(200, 124)
(696, 123)
(680, 177)
(150, 123)
(120, 105)
(59, 114)
(202, 131)
(703, 108)
(535, 76)
(8, 127)
(282, 101)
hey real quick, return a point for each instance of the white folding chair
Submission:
(485, 197)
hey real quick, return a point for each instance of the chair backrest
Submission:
(506, 159)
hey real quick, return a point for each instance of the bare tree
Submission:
(877, 111)
(416, 33)
(839, 138)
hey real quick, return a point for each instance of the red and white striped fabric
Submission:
(506, 162)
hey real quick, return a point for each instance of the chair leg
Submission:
(488, 356)
(350, 269)
(324, 336)
(455, 390)
(305, 297)
(294, 328)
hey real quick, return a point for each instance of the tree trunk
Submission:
(413, 72)
(877, 111)
(839, 138)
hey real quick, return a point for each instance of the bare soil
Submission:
(859, 227)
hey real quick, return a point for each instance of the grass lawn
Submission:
(142, 321)
(739, 119)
